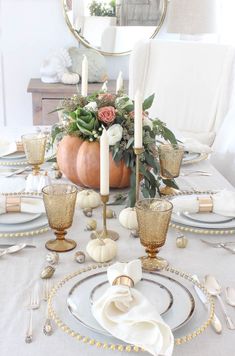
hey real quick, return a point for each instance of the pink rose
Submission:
(144, 115)
(106, 97)
(106, 114)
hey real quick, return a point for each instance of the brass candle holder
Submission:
(105, 233)
(138, 151)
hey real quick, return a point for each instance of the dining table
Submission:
(19, 272)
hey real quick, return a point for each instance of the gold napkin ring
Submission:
(205, 204)
(124, 281)
(19, 147)
(13, 204)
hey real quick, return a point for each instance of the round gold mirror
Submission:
(112, 27)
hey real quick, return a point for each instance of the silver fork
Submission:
(224, 245)
(47, 327)
(34, 303)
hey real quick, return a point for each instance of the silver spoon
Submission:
(225, 245)
(215, 289)
(12, 249)
(230, 296)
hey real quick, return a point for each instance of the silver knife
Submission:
(9, 245)
(216, 323)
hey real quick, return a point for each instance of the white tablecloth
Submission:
(19, 272)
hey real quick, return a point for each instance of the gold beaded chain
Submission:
(117, 347)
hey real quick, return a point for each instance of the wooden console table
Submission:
(46, 98)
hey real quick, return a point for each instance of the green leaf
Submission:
(130, 142)
(148, 102)
(170, 183)
(129, 108)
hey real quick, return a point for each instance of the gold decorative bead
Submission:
(120, 348)
(128, 348)
(98, 344)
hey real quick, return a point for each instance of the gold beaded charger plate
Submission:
(164, 293)
(58, 311)
(201, 223)
(6, 161)
(193, 157)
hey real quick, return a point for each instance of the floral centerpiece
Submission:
(85, 118)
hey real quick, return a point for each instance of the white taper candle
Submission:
(104, 163)
(138, 143)
(84, 76)
(119, 83)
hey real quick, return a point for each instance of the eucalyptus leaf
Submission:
(148, 102)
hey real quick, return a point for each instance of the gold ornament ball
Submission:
(87, 212)
(110, 213)
(91, 225)
(181, 241)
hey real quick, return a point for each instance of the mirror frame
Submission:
(88, 45)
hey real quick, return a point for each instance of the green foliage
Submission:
(98, 8)
(83, 121)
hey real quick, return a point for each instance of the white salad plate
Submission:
(34, 224)
(17, 218)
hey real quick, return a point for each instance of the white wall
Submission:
(29, 31)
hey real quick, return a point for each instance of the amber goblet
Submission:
(170, 158)
(35, 147)
(59, 201)
(153, 217)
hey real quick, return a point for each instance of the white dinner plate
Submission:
(14, 156)
(35, 224)
(190, 156)
(182, 308)
(180, 218)
(209, 218)
(17, 218)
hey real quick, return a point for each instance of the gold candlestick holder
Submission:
(105, 233)
(138, 151)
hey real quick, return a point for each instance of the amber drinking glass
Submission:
(34, 147)
(153, 217)
(170, 158)
(59, 201)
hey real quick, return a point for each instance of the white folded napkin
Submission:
(128, 315)
(193, 145)
(35, 183)
(7, 147)
(223, 203)
(28, 205)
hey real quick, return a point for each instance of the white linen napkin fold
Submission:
(223, 203)
(28, 205)
(194, 146)
(129, 316)
(35, 183)
(7, 147)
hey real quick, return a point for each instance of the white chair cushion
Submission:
(191, 80)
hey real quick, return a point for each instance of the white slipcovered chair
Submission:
(192, 82)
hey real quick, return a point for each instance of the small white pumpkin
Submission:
(88, 199)
(102, 250)
(128, 219)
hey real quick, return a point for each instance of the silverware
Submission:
(196, 173)
(215, 323)
(47, 327)
(224, 245)
(10, 245)
(215, 289)
(18, 171)
(12, 249)
(34, 299)
(29, 331)
(230, 296)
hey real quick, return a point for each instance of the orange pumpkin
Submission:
(80, 162)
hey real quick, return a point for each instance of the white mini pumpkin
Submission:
(88, 199)
(102, 250)
(128, 219)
